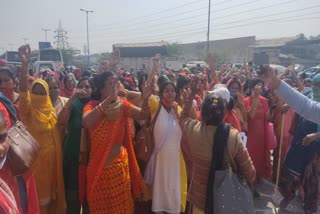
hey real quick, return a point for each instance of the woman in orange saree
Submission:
(113, 175)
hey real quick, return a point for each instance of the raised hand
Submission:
(115, 57)
(25, 53)
(156, 62)
(147, 89)
(195, 86)
(80, 92)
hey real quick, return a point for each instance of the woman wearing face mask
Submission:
(235, 88)
(69, 84)
(8, 83)
(166, 170)
(258, 109)
(71, 117)
(183, 89)
(38, 114)
(301, 165)
(54, 88)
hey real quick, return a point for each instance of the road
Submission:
(264, 205)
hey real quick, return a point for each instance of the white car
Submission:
(193, 64)
(43, 65)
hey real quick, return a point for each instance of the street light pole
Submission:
(208, 33)
(45, 33)
(88, 45)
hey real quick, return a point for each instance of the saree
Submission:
(301, 166)
(7, 200)
(39, 117)
(104, 194)
(287, 137)
(71, 150)
(60, 104)
(23, 187)
(168, 187)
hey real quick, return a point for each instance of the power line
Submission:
(194, 16)
(201, 28)
(180, 13)
(260, 8)
(269, 15)
(166, 10)
(277, 21)
(274, 14)
(231, 27)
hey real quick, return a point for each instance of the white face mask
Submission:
(181, 97)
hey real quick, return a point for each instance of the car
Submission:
(43, 65)
(194, 64)
(311, 72)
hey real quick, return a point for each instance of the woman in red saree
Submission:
(113, 175)
(258, 109)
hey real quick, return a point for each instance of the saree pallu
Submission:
(103, 136)
(113, 192)
(301, 166)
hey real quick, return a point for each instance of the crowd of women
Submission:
(91, 126)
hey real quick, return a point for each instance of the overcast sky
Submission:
(128, 21)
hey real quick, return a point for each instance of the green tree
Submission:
(68, 55)
(174, 49)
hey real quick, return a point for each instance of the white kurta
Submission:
(166, 195)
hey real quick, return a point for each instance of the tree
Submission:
(314, 37)
(68, 54)
(174, 49)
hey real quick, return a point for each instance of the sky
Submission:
(128, 21)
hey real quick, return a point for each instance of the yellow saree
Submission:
(39, 116)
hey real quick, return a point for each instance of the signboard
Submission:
(44, 45)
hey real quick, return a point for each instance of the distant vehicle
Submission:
(43, 65)
(49, 54)
(298, 67)
(193, 64)
(311, 72)
(12, 57)
(280, 68)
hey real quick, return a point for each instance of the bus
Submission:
(12, 57)
(49, 54)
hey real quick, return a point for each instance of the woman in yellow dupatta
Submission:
(38, 114)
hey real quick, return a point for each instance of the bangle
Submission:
(99, 108)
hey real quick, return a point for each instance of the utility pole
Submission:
(88, 45)
(61, 38)
(45, 33)
(208, 33)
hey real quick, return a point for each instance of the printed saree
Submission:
(105, 191)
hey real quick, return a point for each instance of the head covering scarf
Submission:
(64, 91)
(42, 111)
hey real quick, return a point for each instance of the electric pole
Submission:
(45, 33)
(61, 38)
(208, 33)
(88, 45)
